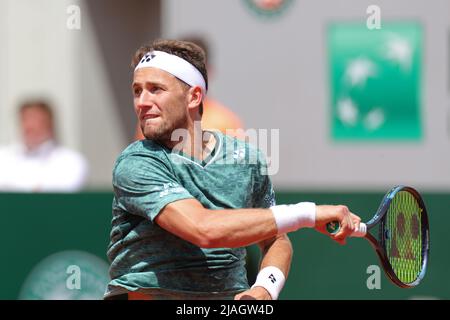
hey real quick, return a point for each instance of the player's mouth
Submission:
(149, 116)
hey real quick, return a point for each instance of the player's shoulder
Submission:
(139, 162)
(243, 147)
(141, 152)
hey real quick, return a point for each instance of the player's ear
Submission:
(195, 96)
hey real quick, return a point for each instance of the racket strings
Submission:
(403, 237)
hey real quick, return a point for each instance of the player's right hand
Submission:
(348, 221)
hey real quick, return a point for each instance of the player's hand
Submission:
(256, 293)
(349, 222)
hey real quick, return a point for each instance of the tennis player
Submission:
(188, 201)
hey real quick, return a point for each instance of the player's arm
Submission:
(231, 228)
(206, 228)
(274, 269)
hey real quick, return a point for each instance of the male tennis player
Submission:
(185, 208)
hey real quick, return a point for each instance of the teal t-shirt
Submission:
(148, 176)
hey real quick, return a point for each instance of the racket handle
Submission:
(334, 226)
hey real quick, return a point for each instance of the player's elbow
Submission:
(208, 235)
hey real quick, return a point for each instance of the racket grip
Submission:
(334, 226)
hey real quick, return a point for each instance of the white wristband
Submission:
(272, 279)
(295, 216)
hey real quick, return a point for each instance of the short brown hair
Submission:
(186, 50)
(201, 42)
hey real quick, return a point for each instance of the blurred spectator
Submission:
(38, 163)
(215, 115)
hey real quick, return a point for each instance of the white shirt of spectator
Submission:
(49, 168)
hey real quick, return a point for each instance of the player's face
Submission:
(160, 102)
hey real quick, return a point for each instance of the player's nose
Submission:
(145, 99)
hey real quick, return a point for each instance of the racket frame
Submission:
(380, 246)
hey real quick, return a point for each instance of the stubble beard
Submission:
(163, 133)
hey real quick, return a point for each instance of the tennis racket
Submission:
(401, 236)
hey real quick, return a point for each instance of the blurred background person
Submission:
(216, 116)
(38, 163)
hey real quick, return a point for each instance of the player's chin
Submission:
(152, 131)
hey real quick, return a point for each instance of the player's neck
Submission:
(196, 143)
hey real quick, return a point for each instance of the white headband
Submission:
(174, 65)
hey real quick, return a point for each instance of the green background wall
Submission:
(36, 226)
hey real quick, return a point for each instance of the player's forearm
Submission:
(207, 228)
(242, 227)
(274, 269)
(277, 253)
(237, 228)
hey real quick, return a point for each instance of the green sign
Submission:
(375, 81)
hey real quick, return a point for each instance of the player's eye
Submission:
(137, 92)
(155, 89)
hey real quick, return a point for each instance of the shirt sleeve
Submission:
(144, 185)
(265, 197)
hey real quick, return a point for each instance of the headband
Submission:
(174, 65)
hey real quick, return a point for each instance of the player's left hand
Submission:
(256, 293)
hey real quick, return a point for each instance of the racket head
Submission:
(403, 242)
